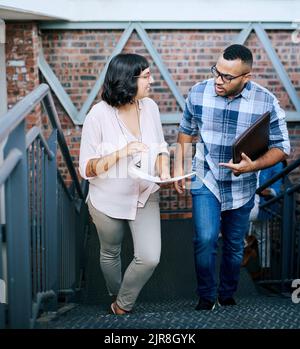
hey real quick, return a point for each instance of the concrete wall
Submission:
(166, 10)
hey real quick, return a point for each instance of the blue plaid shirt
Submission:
(219, 121)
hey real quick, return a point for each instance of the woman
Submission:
(121, 131)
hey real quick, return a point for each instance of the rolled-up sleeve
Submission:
(90, 146)
(188, 125)
(279, 136)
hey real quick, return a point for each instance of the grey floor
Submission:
(168, 300)
(250, 313)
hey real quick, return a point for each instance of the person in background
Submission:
(257, 241)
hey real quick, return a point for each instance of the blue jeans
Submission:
(209, 221)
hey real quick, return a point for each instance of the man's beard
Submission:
(238, 89)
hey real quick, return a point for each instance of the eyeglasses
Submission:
(226, 78)
(144, 76)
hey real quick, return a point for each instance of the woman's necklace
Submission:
(139, 138)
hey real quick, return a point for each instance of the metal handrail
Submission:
(289, 190)
(272, 201)
(51, 110)
(34, 133)
(44, 242)
(292, 189)
(19, 112)
(284, 256)
(9, 164)
(279, 175)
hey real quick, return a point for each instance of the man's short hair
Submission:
(238, 52)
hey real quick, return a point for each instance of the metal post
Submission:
(81, 231)
(18, 238)
(3, 88)
(2, 282)
(3, 108)
(51, 221)
(287, 232)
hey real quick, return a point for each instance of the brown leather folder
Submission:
(254, 141)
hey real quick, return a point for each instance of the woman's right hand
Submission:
(132, 148)
(180, 186)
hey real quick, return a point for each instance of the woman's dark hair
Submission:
(120, 83)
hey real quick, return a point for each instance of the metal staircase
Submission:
(45, 220)
(49, 251)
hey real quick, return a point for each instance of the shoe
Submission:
(226, 301)
(116, 310)
(205, 304)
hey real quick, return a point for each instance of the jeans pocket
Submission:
(197, 185)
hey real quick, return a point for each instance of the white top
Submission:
(115, 192)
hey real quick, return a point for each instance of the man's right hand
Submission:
(180, 186)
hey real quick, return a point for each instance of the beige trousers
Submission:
(146, 236)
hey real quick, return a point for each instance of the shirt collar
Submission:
(246, 91)
(140, 103)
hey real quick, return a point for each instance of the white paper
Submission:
(134, 172)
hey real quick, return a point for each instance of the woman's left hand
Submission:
(165, 175)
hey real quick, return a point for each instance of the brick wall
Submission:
(21, 65)
(78, 56)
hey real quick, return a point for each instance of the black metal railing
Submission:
(45, 221)
(280, 233)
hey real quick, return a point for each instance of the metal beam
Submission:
(56, 86)
(18, 112)
(93, 94)
(65, 100)
(283, 76)
(292, 116)
(3, 110)
(16, 200)
(10, 162)
(175, 118)
(162, 68)
(243, 35)
(3, 87)
(78, 118)
(278, 25)
(162, 25)
(83, 25)
(170, 118)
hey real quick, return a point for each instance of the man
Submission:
(218, 110)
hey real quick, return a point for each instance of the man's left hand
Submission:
(245, 165)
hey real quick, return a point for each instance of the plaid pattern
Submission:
(219, 121)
